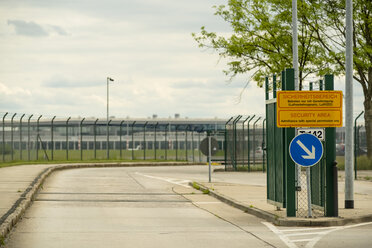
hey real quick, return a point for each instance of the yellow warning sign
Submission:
(309, 109)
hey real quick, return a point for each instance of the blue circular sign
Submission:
(306, 149)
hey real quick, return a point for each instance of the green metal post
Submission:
(67, 146)
(320, 84)
(20, 137)
(133, 139)
(199, 147)
(331, 205)
(249, 146)
(263, 145)
(290, 170)
(28, 135)
(156, 126)
(3, 151)
(274, 86)
(254, 141)
(235, 164)
(108, 140)
(192, 144)
(144, 140)
(266, 88)
(225, 141)
(166, 142)
(121, 145)
(95, 139)
(52, 137)
(81, 139)
(355, 145)
(186, 142)
(11, 137)
(176, 142)
(37, 137)
(244, 141)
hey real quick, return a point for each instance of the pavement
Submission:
(252, 199)
(20, 184)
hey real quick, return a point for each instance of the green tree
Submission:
(261, 41)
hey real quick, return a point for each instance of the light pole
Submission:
(107, 120)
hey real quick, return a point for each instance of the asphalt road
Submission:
(155, 207)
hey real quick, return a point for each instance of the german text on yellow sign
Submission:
(309, 109)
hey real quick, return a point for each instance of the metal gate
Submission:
(285, 188)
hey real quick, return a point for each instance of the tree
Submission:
(332, 12)
(261, 41)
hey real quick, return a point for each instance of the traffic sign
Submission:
(204, 146)
(318, 132)
(306, 149)
(309, 109)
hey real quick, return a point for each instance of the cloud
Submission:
(58, 30)
(35, 30)
(62, 82)
(28, 28)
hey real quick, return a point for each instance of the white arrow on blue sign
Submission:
(306, 149)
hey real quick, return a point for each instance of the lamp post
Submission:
(107, 120)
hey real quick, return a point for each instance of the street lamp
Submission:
(107, 123)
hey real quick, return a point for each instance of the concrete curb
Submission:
(334, 221)
(10, 219)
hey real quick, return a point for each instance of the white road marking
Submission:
(285, 234)
(181, 182)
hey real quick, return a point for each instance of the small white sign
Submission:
(318, 132)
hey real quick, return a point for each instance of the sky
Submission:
(56, 56)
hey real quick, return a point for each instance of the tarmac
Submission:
(20, 184)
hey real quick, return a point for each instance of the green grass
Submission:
(256, 167)
(74, 156)
(363, 163)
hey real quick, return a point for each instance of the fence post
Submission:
(249, 145)
(144, 140)
(199, 146)
(186, 142)
(108, 141)
(331, 180)
(290, 170)
(254, 140)
(120, 140)
(37, 137)
(134, 122)
(20, 137)
(67, 146)
(192, 143)
(156, 126)
(28, 135)
(95, 139)
(177, 142)
(4, 136)
(225, 146)
(81, 139)
(355, 145)
(166, 142)
(52, 137)
(244, 141)
(235, 164)
(11, 137)
(263, 145)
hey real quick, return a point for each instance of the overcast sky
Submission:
(56, 56)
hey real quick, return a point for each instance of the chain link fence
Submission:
(245, 143)
(36, 138)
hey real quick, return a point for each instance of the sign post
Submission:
(209, 147)
(306, 150)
